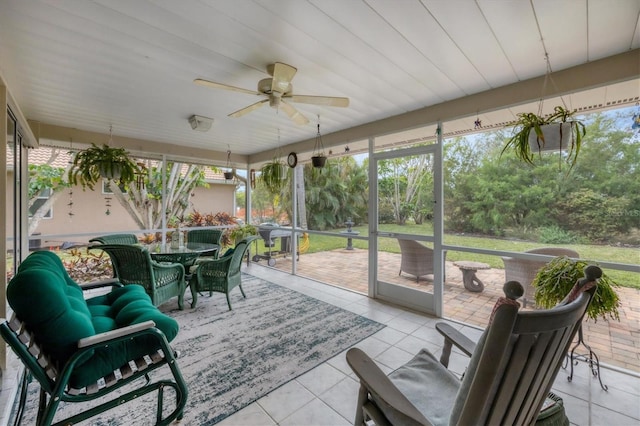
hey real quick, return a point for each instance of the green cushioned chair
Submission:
(80, 350)
(507, 381)
(221, 275)
(133, 265)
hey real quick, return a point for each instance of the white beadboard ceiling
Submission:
(130, 64)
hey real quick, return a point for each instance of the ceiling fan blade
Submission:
(319, 100)
(247, 110)
(293, 113)
(282, 76)
(215, 85)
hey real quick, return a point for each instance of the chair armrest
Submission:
(113, 334)
(453, 336)
(165, 267)
(111, 282)
(377, 383)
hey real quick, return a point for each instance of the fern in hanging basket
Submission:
(273, 175)
(94, 163)
(533, 126)
(555, 280)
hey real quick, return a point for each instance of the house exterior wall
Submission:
(89, 215)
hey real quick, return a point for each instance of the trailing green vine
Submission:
(554, 281)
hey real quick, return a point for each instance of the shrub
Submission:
(556, 235)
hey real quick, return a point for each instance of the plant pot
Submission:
(318, 160)
(228, 175)
(110, 171)
(557, 136)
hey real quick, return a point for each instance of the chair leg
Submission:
(24, 385)
(242, 291)
(363, 397)
(228, 301)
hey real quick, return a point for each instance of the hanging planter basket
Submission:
(318, 161)
(228, 175)
(554, 137)
(110, 170)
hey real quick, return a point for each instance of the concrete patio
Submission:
(617, 344)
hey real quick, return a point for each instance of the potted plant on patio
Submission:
(534, 133)
(242, 231)
(555, 280)
(106, 162)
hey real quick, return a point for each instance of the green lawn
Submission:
(320, 243)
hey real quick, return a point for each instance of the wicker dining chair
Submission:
(115, 239)
(221, 275)
(524, 270)
(417, 259)
(133, 265)
(209, 236)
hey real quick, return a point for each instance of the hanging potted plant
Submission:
(105, 162)
(228, 174)
(273, 175)
(318, 159)
(555, 280)
(534, 133)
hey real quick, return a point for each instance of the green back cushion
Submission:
(52, 306)
(52, 310)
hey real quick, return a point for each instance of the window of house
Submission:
(106, 187)
(42, 198)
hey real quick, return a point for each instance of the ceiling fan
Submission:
(278, 92)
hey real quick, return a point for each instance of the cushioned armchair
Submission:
(524, 270)
(83, 349)
(133, 265)
(115, 239)
(221, 275)
(510, 373)
(210, 236)
(417, 259)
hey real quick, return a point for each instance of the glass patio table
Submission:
(186, 255)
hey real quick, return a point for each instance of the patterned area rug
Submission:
(229, 359)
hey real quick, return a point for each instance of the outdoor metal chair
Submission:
(524, 270)
(221, 275)
(507, 381)
(211, 236)
(82, 350)
(417, 259)
(115, 239)
(133, 265)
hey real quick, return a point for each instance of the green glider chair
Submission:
(133, 265)
(115, 239)
(507, 381)
(221, 275)
(87, 349)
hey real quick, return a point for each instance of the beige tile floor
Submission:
(327, 394)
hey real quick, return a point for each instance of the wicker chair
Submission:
(507, 381)
(211, 236)
(524, 270)
(115, 239)
(221, 275)
(417, 259)
(133, 265)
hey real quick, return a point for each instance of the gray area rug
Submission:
(230, 359)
